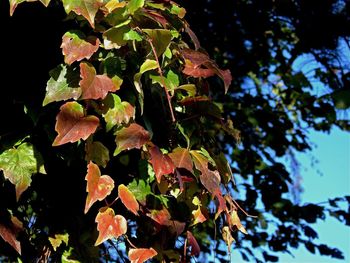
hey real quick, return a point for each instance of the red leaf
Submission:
(198, 216)
(128, 199)
(161, 163)
(75, 47)
(109, 226)
(72, 125)
(198, 64)
(140, 255)
(9, 235)
(182, 159)
(98, 187)
(160, 19)
(134, 136)
(195, 250)
(94, 86)
(162, 217)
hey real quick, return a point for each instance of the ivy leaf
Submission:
(114, 37)
(98, 187)
(128, 199)
(198, 216)
(62, 85)
(162, 217)
(189, 88)
(223, 167)
(72, 125)
(162, 164)
(148, 65)
(182, 159)
(227, 237)
(134, 136)
(192, 242)
(18, 165)
(235, 221)
(15, 3)
(109, 226)
(140, 255)
(134, 5)
(94, 86)
(140, 190)
(86, 8)
(160, 38)
(198, 64)
(58, 239)
(119, 111)
(114, 4)
(97, 152)
(75, 46)
(9, 235)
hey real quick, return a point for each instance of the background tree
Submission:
(271, 104)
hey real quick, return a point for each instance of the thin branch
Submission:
(116, 250)
(130, 243)
(240, 208)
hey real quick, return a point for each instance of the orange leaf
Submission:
(195, 250)
(72, 125)
(182, 159)
(134, 136)
(161, 163)
(9, 235)
(198, 216)
(98, 187)
(109, 226)
(128, 199)
(140, 255)
(94, 86)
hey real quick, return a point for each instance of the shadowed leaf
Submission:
(162, 164)
(9, 235)
(97, 152)
(182, 159)
(192, 242)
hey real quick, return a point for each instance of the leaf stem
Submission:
(240, 208)
(130, 243)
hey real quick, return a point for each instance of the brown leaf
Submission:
(235, 221)
(72, 125)
(182, 159)
(161, 163)
(109, 226)
(98, 187)
(195, 249)
(227, 237)
(134, 136)
(94, 86)
(128, 199)
(9, 235)
(140, 255)
(75, 46)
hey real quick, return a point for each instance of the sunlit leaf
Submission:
(198, 216)
(98, 187)
(114, 4)
(227, 237)
(162, 164)
(140, 255)
(75, 46)
(128, 199)
(140, 190)
(15, 3)
(235, 221)
(149, 64)
(97, 152)
(72, 125)
(109, 226)
(58, 239)
(134, 136)
(19, 164)
(181, 158)
(94, 86)
(134, 5)
(9, 235)
(192, 242)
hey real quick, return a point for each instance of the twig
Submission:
(240, 208)
(116, 250)
(130, 243)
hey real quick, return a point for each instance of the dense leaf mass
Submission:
(134, 95)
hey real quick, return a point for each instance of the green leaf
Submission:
(161, 39)
(341, 98)
(118, 111)
(19, 164)
(114, 37)
(148, 65)
(171, 81)
(134, 5)
(97, 152)
(189, 88)
(86, 8)
(63, 85)
(66, 257)
(132, 35)
(140, 189)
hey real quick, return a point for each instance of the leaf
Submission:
(15, 3)
(160, 38)
(86, 8)
(18, 165)
(109, 226)
(195, 249)
(75, 46)
(97, 152)
(94, 86)
(98, 187)
(134, 5)
(9, 235)
(223, 167)
(134, 136)
(171, 80)
(62, 85)
(198, 64)
(148, 65)
(182, 159)
(140, 190)
(114, 37)
(114, 4)
(140, 255)
(72, 125)
(128, 199)
(162, 217)
(162, 164)
(119, 111)
(58, 239)
(198, 216)
(227, 237)
(235, 221)
(189, 88)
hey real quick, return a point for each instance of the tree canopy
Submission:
(136, 130)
